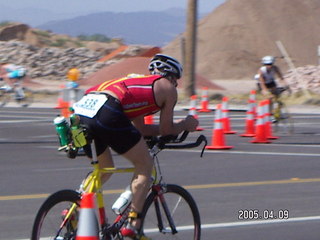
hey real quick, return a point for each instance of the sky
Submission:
(63, 6)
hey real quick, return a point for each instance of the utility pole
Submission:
(190, 49)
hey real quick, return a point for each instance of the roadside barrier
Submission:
(218, 141)
(225, 117)
(193, 110)
(250, 122)
(261, 135)
(204, 100)
(88, 224)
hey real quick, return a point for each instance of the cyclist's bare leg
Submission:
(143, 163)
(105, 161)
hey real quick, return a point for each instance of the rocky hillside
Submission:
(49, 56)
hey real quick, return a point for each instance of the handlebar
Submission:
(172, 142)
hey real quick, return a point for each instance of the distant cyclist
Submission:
(114, 113)
(266, 76)
(13, 75)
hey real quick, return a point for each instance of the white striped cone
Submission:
(261, 136)
(252, 100)
(218, 141)
(268, 120)
(250, 124)
(225, 117)
(204, 100)
(88, 228)
(193, 110)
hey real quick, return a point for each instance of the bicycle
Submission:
(22, 95)
(281, 114)
(169, 210)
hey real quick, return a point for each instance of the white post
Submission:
(319, 54)
(292, 67)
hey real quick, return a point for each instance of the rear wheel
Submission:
(173, 214)
(4, 98)
(283, 119)
(50, 222)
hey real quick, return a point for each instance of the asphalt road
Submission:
(229, 185)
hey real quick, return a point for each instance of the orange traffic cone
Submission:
(217, 141)
(267, 116)
(204, 100)
(225, 117)
(250, 124)
(252, 101)
(193, 110)
(88, 225)
(261, 136)
(148, 120)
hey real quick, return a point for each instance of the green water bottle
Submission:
(63, 130)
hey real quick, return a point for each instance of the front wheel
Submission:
(170, 212)
(51, 221)
(283, 119)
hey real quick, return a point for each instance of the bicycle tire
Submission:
(27, 99)
(49, 217)
(183, 210)
(284, 121)
(4, 98)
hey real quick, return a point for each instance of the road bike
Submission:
(22, 95)
(169, 211)
(282, 118)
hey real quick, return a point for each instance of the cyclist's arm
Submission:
(166, 97)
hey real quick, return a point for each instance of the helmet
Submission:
(165, 64)
(267, 60)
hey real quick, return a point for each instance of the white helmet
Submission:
(166, 64)
(267, 60)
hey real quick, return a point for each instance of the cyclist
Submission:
(266, 76)
(13, 75)
(114, 112)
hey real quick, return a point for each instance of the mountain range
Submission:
(146, 27)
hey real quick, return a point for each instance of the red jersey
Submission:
(135, 94)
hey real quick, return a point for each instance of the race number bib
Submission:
(89, 105)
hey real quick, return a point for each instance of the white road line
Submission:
(237, 224)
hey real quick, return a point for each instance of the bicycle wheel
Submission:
(284, 121)
(181, 220)
(4, 98)
(49, 219)
(27, 99)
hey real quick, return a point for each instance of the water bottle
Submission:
(63, 130)
(77, 133)
(123, 201)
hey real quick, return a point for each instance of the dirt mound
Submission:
(138, 65)
(234, 37)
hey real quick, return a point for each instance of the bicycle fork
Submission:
(160, 199)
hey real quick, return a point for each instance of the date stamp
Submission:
(255, 214)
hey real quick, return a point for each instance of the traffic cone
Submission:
(250, 122)
(88, 224)
(261, 136)
(267, 116)
(218, 141)
(204, 100)
(148, 120)
(193, 110)
(252, 101)
(225, 117)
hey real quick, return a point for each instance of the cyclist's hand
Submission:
(191, 123)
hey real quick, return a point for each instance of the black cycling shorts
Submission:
(111, 128)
